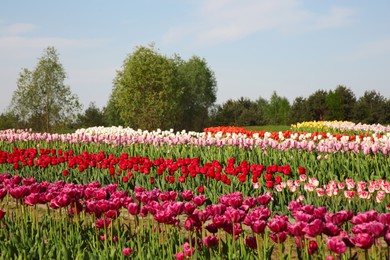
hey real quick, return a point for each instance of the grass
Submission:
(269, 128)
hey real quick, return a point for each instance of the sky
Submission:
(254, 47)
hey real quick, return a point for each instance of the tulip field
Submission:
(318, 191)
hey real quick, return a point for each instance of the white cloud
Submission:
(226, 20)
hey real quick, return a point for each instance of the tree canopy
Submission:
(154, 91)
(41, 99)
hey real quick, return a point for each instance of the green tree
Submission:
(10, 121)
(371, 108)
(278, 110)
(92, 116)
(261, 106)
(316, 104)
(146, 91)
(299, 110)
(200, 92)
(41, 99)
(153, 91)
(340, 104)
(241, 112)
(111, 112)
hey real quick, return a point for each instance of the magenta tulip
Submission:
(335, 245)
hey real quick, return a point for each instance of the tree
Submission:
(340, 104)
(241, 112)
(316, 104)
(153, 91)
(299, 110)
(41, 99)
(9, 121)
(200, 92)
(277, 111)
(92, 116)
(371, 108)
(146, 92)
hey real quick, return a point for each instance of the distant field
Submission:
(270, 128)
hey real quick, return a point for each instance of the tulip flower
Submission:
(335, 245)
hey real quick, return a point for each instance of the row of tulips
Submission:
(118, 224)
(117, 136)
(188, 173)
(341, 127)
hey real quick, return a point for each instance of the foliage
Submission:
(92, 116)
(242, 112)
(340, 104)
(371, 108)
(277, 110)
(153, 91)
(316, 104)
(299, 111)
(199, 92)
(41, 99)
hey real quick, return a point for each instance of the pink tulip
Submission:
(277, 225)
(251, 242)
(278, 237)
(187, 195)
(199, 200)
(2, 214)
(314, 228)
(258, 226)
(363, 240)
(335, 245)
(313, 247)
(210, 241)
(127, 251)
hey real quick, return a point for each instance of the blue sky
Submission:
(254, 47)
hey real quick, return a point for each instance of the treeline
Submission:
(155, 91)
(338, 104)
